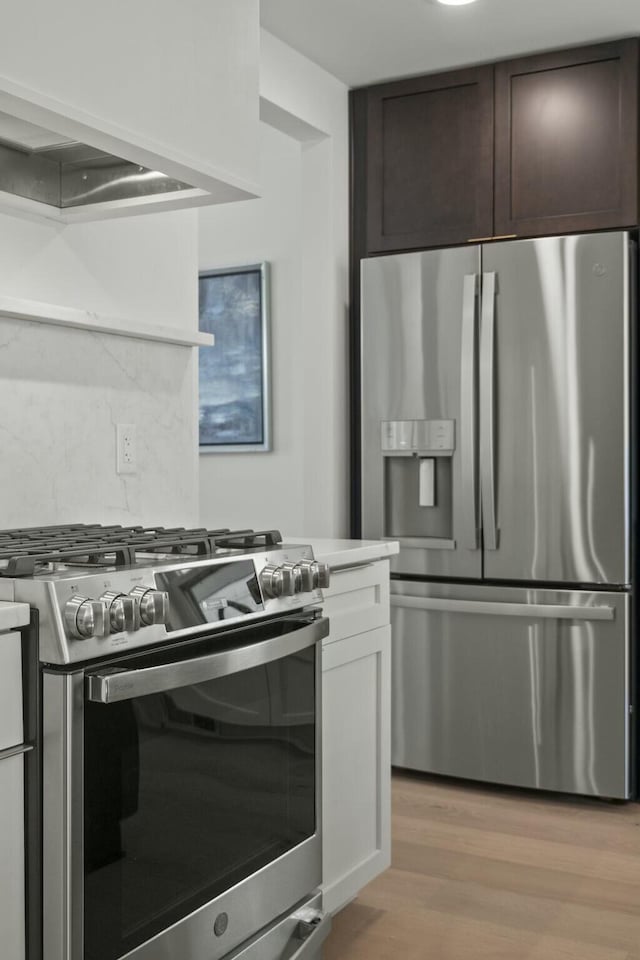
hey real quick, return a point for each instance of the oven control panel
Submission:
(91, 614)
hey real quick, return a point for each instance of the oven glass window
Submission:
(189, 792)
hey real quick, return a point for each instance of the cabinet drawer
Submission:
(11, 715)
(358, 599)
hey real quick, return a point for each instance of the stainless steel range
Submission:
(181, 750)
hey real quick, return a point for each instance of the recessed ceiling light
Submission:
(455, 3)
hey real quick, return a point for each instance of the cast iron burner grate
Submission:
(27, 551)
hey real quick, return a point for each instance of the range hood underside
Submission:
(74, 174)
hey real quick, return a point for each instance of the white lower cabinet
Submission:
(12, 865)
(12, 832)
(11, 716)
(356, 737)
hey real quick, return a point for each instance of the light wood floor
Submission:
(489, 874)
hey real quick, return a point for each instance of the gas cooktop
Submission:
(100, 590)
(29, 551)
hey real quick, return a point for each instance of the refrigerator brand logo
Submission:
(599, 269)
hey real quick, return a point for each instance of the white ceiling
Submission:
(364, 41)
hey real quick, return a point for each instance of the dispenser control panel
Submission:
(433, 438)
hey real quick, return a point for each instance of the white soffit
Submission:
(366, 41)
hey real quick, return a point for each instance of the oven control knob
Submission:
(86, 618)
(314, 574)
(307, 575)
(271, 580)
(153, 604)
(124, 611)
(292, 578)
(278, 581)
(324, 574)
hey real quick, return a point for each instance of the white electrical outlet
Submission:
(126, 448)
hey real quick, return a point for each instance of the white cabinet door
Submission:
(11, 720)
(12, 834)
(356, 763)
(12, 901)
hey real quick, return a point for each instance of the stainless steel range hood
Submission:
(40, 165)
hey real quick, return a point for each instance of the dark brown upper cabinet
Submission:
(546, 144)
(428, 146)
(566, 141)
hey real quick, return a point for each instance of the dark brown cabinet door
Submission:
(566, 141)
(429, 161)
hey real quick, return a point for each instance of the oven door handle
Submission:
(110, 686)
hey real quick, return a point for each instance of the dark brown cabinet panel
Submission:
(429, 161)
(566, 128)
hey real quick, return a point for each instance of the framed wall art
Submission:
(234, 408)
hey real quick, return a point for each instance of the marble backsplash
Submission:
(62, 392)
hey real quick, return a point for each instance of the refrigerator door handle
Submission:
(487, 428)
(535, 611)
(468, 427)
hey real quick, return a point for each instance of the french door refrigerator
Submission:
(497, 419)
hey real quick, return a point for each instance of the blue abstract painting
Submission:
(232, 402)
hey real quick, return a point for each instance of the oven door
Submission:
(182, 794)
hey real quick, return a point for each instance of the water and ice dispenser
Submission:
(418, 478)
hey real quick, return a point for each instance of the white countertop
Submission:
(338, 553)
(13, 615)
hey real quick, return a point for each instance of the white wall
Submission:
(63, 391)
(264, 489)
(300, 226)
(139, 267)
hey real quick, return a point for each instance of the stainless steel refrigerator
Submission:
(496, 447)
